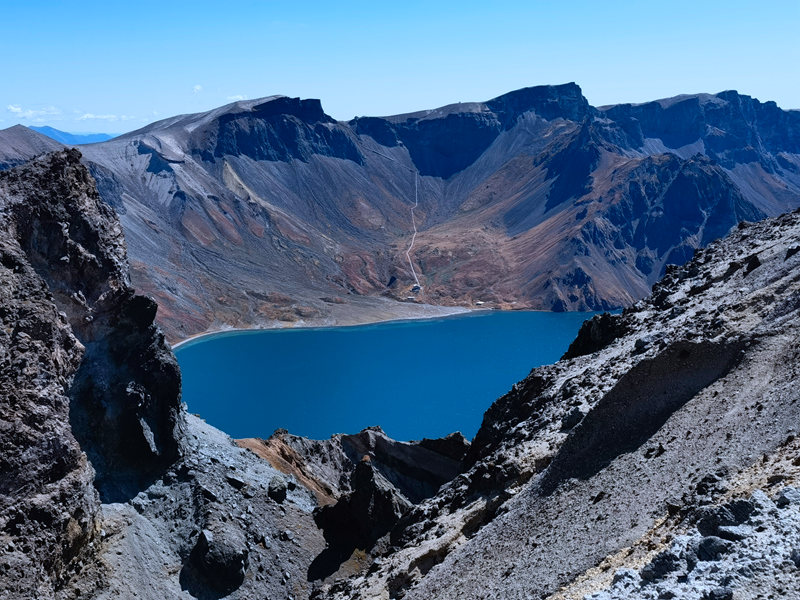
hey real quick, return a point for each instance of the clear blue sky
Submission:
(113, 66)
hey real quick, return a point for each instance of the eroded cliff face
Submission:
(269, 212)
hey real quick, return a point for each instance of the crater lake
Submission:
(418, 378)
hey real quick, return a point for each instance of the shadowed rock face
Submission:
(75, 244)
(534, 199)
(283, 129)
(71, 319)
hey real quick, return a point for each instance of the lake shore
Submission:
(401, 312)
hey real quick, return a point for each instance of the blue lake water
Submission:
(423, 378)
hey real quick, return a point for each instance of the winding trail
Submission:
(414, 224)
(413, 221)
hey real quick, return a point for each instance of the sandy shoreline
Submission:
(431, 312)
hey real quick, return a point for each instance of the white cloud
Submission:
(94, 117)
(197, 89)
(35, 115)
(237, 97)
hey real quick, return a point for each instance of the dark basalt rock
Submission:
(454, 446)
(663, 563)
(595, 334)
(720, 521)
(277, 489)
(358, 519)
(281, 129)
(108, 386)
(367, 513)
(218, 563)
(712, 548)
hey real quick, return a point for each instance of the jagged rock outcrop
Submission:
(595, 334)
(48, 506)
(365, 483)
(259, 212)
(645, 451)
(73, 241)
(68, 293)
(107, 488)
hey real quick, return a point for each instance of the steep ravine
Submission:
(658, 459)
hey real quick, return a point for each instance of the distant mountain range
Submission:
(269, 209)
(71, 139)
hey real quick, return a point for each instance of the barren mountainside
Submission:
(269, 211)
(657, 459)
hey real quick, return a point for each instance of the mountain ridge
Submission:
(522, 200)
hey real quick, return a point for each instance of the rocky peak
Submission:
(565, 101)
(734, 128)
(280, 129)
(125, 394)
(307, 110)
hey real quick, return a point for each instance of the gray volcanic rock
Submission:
(107, 488)
(686, 410)
(757, 563)
(48, 507)
(75, 244)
